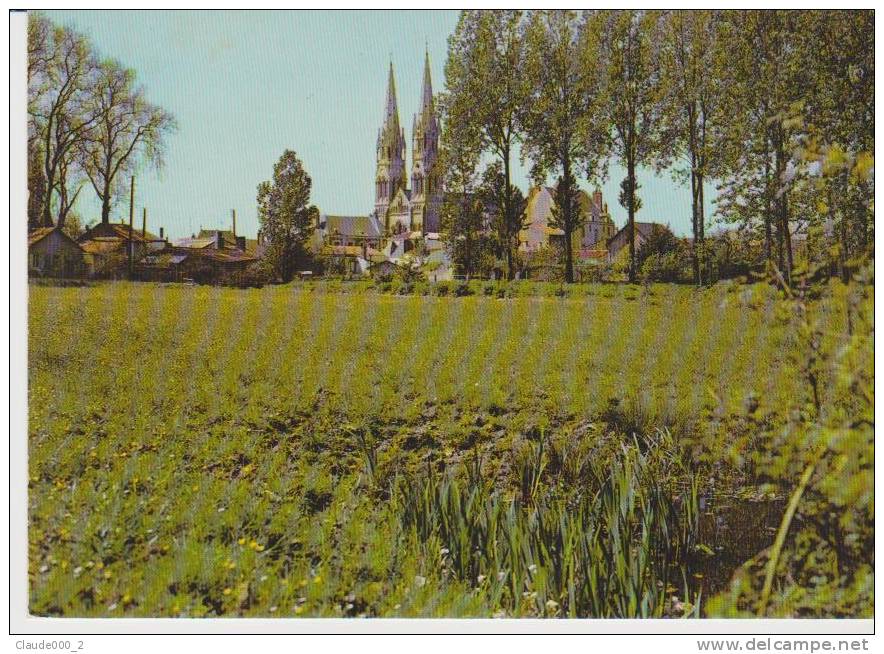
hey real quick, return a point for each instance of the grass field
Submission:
(302, 452)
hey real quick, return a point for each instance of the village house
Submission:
(212, 255)
(356, 231)
(106, 247)
(590, 237)
(203, 265)
(643, 232)
(349, 260)
(52, 253)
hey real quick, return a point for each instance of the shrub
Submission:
(595, 272)
(255, 276)
(462, 288)
(441, 288)
(669, 267)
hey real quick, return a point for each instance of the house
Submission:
(106, 247)
(402, 244)
(229, 239)
(52, 253)
(349, 260)
(209, 256)
(204, 265)
(142, 239)
(643, 232)
(539, 233)
(348, 231)
(105, 256)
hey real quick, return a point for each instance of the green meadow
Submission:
(332, 450)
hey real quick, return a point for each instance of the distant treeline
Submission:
(774, 107)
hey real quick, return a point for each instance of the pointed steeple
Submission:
(390, 110)
(427, 95)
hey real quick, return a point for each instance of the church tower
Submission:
(390, 176)
(426, 183)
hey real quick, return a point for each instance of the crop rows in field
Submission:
(205, 451)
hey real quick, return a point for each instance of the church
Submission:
(397, 208)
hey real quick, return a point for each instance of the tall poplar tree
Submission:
(691, 59)
(484, 91)
(563, 132)
(628, 52)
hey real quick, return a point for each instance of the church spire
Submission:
(427, 95)
(391, 111)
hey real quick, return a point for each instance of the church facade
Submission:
(398, 208)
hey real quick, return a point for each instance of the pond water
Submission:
(734, 530)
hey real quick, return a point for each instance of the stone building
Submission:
(593, 234)
(397, 208)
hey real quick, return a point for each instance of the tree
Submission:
(128, 130)
(36, 187)
(485, 90)
(766, 76)
(60, 69)
(286, 218)
(628, 52)
(562, 130)
(462, 210)
(691, 76)
(833, 190)
(505, 219)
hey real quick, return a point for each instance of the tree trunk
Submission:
(705, 273)
(843, 250)
(630, 201)
(768, 213)
(49, 171)
(787, 235)
(568, 221)
(105, 204)
(694, 228)
(507, 209)
(784, 244)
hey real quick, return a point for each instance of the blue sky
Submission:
(244, 86)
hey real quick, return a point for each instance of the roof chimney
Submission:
(144, 222)
(219, 240)
(162, 238)
(234, 224)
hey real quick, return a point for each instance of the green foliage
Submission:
(665, 267)
(485, 88)
(610, 549)
(824, 458)
(286, 217)
(251, 473)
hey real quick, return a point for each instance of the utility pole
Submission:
(234, 226)
(131, 220)
(144, 222)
